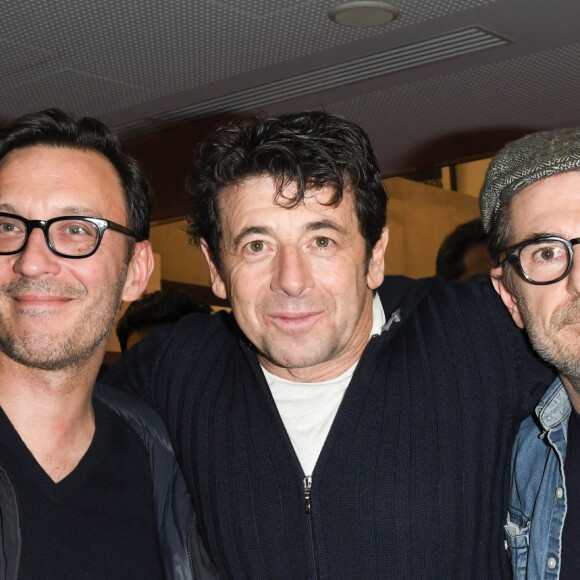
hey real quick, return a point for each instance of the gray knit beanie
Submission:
(525, 161)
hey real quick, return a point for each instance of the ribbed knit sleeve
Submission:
(412, 479)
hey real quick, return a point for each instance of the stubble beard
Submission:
(50, 351)
(326, 349)
(561, 351)
(289, 359)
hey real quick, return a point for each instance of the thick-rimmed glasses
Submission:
(67, 236)
(542, 260)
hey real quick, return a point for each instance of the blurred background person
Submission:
(154, 310)
(464, 252)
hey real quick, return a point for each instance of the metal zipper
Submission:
(307, 486)
(191, 521)
(307, 481)
(308, 508)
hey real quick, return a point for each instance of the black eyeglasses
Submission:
(542, 260)
(67, 236)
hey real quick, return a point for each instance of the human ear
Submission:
(138, 272)
(217, 284)
(376, 268)
(507, 297)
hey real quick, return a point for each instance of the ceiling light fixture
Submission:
(363, 14)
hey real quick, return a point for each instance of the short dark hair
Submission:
(450, 264)
(311, 149)
(54, 128)
(500, 233)
(155, 309)
(500, 238)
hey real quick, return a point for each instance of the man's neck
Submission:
(51, 411)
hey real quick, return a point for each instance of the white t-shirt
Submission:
(308, 409)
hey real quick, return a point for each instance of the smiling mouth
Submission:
(294, 319)
(41, 300)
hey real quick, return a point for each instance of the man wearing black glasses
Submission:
(531, 209)
(89, 487)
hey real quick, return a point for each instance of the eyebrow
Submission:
(65, 211)
(310, 227)
(537, 236)
(252, 230)
(7, 208)
(326, 225)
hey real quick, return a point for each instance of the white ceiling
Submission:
(448, 80)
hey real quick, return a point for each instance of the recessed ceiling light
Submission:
(363, 14)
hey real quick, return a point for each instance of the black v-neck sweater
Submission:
(97, 522)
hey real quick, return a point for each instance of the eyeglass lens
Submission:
(544, 260)
(74, 237)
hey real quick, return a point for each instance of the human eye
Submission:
(323, 242)
(77, 228)
(73, 235)
(548, 252)
(8, 226)
(255, 246)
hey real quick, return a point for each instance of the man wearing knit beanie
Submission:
(530, 205)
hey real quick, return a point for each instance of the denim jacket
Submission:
(537, 505)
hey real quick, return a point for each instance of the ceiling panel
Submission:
(145, 66)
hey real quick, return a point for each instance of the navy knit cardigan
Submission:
(412, 479)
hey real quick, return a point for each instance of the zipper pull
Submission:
(307, 486)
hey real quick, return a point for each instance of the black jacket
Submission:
(183, 555)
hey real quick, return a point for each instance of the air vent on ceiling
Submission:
(435, 49)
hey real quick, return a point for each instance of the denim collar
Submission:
(554, 407)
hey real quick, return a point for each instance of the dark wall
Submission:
(167, 157)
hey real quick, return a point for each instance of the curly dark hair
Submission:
(54, 128)
(310, 150)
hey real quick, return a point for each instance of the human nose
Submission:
(292, 273)
(36, 259)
